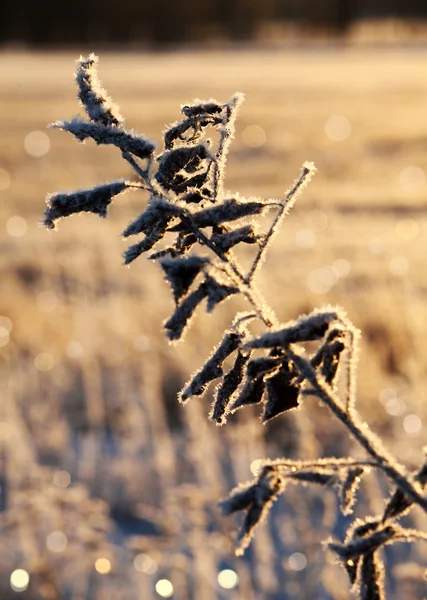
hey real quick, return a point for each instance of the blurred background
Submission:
(109, 488)
(156, 24)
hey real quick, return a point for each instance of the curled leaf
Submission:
(269, 486)
(241, 498)
(264, 365)
(198, 108)
(181, 272)
(217, 291)
(225, 241)
(176, 132)
(95, 200)
(307, 328)
(255, 497)
(251, 393)
(158, 211)
(225, 391)
(195, 196)
(328, 355)
(176, 325)
(150, 240)
(127, 141)
(400, 502)
(94, 98)
(282, 394)
(185, 158)
(229, 210)
(212, 369)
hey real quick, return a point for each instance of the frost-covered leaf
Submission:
(98, 105)
(127, 141)
(217, 291)
(225, 392)
(95, 200)
(212, 369)
(176, 325)
(282, 394)
(181, 272)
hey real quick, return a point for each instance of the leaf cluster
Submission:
(200, 226)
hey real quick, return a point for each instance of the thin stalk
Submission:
(233, 271)
(227, 133)
(217, 174)
(337, 463)
(366, 438)
(307, 172)
(398, 504)
(351, 368)
(238, 322)
(410, 535)
(143, 173)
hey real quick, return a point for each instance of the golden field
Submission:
(89, 382)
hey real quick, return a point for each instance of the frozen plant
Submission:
(274, 369)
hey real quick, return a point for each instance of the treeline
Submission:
(155, 22)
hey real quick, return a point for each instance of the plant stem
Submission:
(349, 418)
(359, 430)
(227, 133)
(233, 271)
(333, 462)
(136, 167)
(285, 206)
(351, 367)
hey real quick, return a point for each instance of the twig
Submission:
(359, 430)
(307, 172)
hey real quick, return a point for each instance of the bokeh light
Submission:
(412, 178)
(255, 466)
(164, 588)
(37, 143)
(74, 349)
(407, 229)
(337, 128)
(228, 579)
(145, 564)
(56, 541)
(341, 267)
(103, 566)
(253, 136)
(62, 479)
(399, 266)
(297, 561)
(395, 406)
(44, 361)
(321, 280)
(412, 425)
(305, 238)
(16, 226)
(19, 580)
